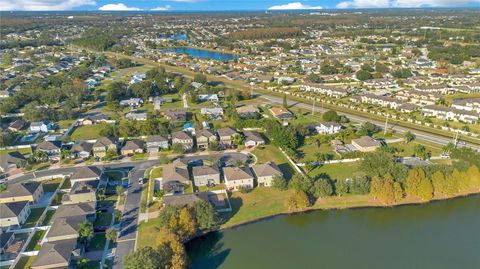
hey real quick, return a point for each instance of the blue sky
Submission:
(179, 5)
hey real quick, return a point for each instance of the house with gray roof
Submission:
(82, 149)
(14, 214)
(253, 139)
(132, 147)
(204, 137)
(205, 175)
(31, 192)
(52, 148)
(185, 199)
(236, 177)
(57, 254)
(65, 228)
(174, 178)
(86, 173)
(183, 138)
(104, 144)
(265, 173)
(226, 136)
(155, 143)
(10, 161)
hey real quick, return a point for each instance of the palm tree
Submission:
(85, 231)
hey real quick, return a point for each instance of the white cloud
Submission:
(404, 3)
(167, 7)
(43, 5)
(293, 6)
(118, 7)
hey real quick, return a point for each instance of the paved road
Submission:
(422, 135)
(129, 225)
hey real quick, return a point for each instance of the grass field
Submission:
(337, 170)
(51, 185)
(24, 151)
(147, 233)
(88, 131)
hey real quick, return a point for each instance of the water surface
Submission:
(205, 54)
(440, 235)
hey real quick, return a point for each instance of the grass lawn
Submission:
(51, 185)
(64, 124)
(337, 170)
(67, 184)
(103, 219)
(33, 217)
(23, 151)
(272, 153)
(97, 242)
(407, 150)
(48, 217)
(25, 262)
(34, 244)
(140, 156)
(220, 186)
(309, 149)
(88, 131)
(260, 202)
(147, 233)
(156, 172)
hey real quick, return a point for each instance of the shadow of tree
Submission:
(207, 251)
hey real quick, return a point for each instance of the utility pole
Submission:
(455, 139)
(313, 107)
(386, 125)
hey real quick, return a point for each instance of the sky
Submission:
(185, 5)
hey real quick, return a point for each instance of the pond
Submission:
(440, 235)
(204, 54)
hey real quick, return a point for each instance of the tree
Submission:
(360, 185)
(419, 185)
(178, 148)
(330, 116)
(301, 183)
(421, 152)
(143, 258)
(82, 263)
(297, 201)
(285, 103)
(187, 223)
(473, 174)
(341, 187)
(279, 182)
(171, 250)
(86, 230)
(387, 193)
(363, 75)
(439, 182)
(111, 234)
(322, 188)
(205, 215)
(200, 78)
(408, 137)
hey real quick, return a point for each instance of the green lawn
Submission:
(88, 131)
(51, 185)
(156, 172)
(24, 151)
(272, 153)
(337, 170)
(140, 157)
(407, 150)
(103, 219)
(309, 149)
(25, 262)
(97, 242)
(32, 219)
(214, 188)
(34, 244)
(48, 217)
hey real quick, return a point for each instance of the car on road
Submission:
(140, 181)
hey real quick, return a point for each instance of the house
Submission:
(246, 112)
(174, 178)
(57, 255)
(102, 145)
(366, 144)
(185, 199)
(31, 192)
(41, 127)
(265, 173)
(176, 116)
(81, 192)
(204, 138)
(10, 161)
(205, 175)
(450, 113)
(52, 148)
(65, 228)
(93, 119)
(236, 177)
(82, 149)
(253, 139)
(328, 128)
(155, 143)
(17, 125)
(227, 136)
(208, 97)
(282, 113)
(327, 90)
(132, 147)
(136, 115)
(14, 214)
(183, 138)
(86, 173)
(132, 102)
(213, 113)
(80, 209)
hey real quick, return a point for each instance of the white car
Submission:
(140, 181)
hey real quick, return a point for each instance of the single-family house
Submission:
(237, 177)
(174, 178)
(17, 125)
(253, 139)
(41, 127)
(188, 199)
(265, 173)
(282, 113)
(176, 116)
(52, 148)
(86, 173)
(183, 138)
(226, 136)
(155, 143)
(205, 175)
(247, 111)
(136, 115)
(14, 214)
(208, 97)
(10, 161)
(132, 102)
(328, 128)
(81, 192)
(57, 255)
(82, 149)
(213, 113)
(65, 228)
(31, 192)
(366, 144)
(204, 138)
(102, 145)
(132, 147)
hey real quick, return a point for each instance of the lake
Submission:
(439, 235)
(205, 54)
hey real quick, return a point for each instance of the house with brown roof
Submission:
(236, 177)
(183, 138)
(10, 161)
(86, 173)
(14, 214)
(17, 125)
(81, 192)
(247, 111)
(174, 178)
(31, 192)
(265, 173)
(82, 149)
(52, 148)
(282, 113)
(57, 254)
(185, 199)
(65, 228)
(227, 135)
(205, 175)
(204, 138)
(366, 144)
(102, 145)
(132, 147)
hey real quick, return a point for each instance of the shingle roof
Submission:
(82, 146)
(133, 145)
(181, 135)
(204, 170)
(66, 226)
(103, 142)
(20, 189)
(205, 132)
(366, 141)
(54, 253)
(86, 172)
(237, 173)
(226, 131)
(49, 145)
(185, 199)
(267, 169)
(253, 136)
(174, 173)
(156, 138)
(80, 209)
(12, 210)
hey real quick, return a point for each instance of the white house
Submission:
(328, 128)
